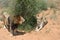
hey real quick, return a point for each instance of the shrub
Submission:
(27, 9)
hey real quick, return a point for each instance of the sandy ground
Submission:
(51, 31)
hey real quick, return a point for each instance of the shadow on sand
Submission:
(19, 33)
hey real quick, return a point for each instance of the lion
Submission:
(12, 22)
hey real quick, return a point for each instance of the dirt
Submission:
(51, 31)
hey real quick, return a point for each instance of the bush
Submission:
(27, 9)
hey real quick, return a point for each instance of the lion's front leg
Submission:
(13, 29)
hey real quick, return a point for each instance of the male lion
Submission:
(12, 22)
